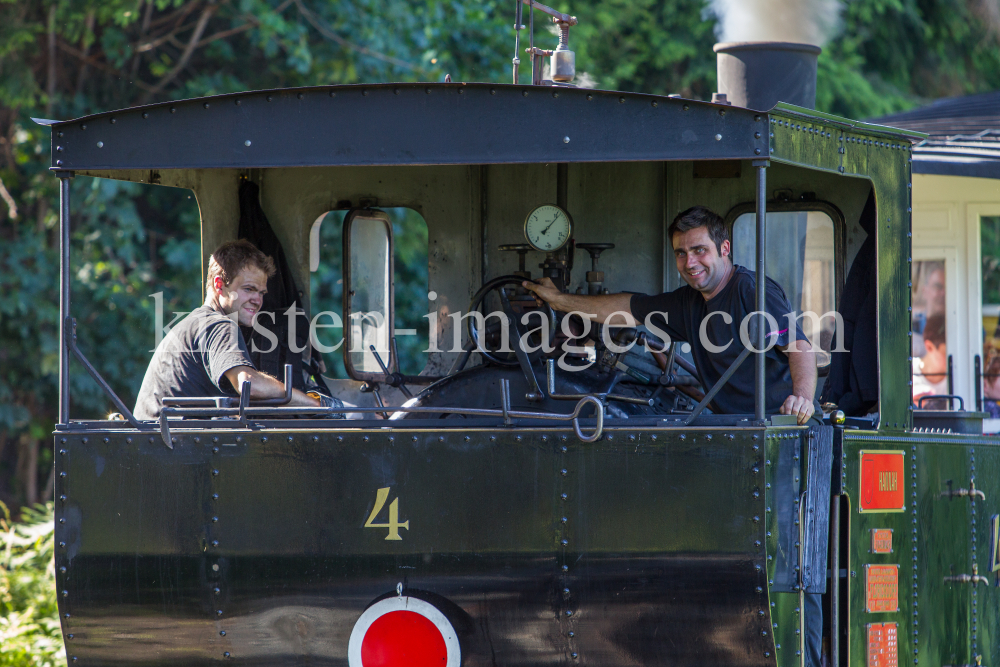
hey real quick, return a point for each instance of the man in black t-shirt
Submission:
(205, 354)
(710, 313)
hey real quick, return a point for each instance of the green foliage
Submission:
(990, 227)
(29, 620)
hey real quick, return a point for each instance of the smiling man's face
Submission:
(699, 261)
(244, 295)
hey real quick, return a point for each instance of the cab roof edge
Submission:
(45, 122)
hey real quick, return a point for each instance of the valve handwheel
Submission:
(476, 304)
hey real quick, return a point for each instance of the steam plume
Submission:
(804, 21)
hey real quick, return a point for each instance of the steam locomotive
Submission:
(513, 511)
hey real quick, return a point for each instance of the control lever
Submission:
(391, 379)
(522, 250)
(595, 278)
(372, 388)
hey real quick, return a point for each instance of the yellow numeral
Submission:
(394, 525)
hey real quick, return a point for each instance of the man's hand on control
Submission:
(800, 406)
(545, 291)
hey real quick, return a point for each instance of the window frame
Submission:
(392, 362)
(784, 206)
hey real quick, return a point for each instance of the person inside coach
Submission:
(205, 353)
(715, 287)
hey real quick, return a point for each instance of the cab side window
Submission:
(801, 257)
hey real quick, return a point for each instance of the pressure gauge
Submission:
(548, 228)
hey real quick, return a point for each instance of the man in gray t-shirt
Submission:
(205, 354)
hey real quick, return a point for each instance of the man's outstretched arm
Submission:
(263, 385)
(802, 364)
(598, 307)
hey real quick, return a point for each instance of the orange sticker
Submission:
(881, 588)
(881, 540)
(883, 650)
(883, 482)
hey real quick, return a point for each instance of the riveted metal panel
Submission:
(408, 124)
(265, 547)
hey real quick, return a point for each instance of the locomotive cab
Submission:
(526, 506)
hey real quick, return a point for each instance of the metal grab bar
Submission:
(122, 408)
(975, 578)
(228, 401)
(505, 413)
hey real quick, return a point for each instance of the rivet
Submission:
(264, 439)
(414, 438)
(222, 633)
(564, 449)
(364, 93)
(62, 499)
(564, 542)
(100, 144)
(113, 121)
(239, 439)
(215, 543)
(246, 143)
(573, 655)
(563, 496)
(621, 100)
(268, 98)
(340, 438)
(62, 570)
(722, 112)
(83, 126)
(226, 654)
(564, 472)
(216, 590)
(215, 439)
(69, 636)
(468, 438)
(441, 438)
(565, 568)
(682, 436)
(524, 93)
(493, 91)
(215, 450)
(59, 149)
(685, 107)
(215, 472)
(565, 140)
(236, 102)
(366, 438)
(718, 137)
(215, 519)
(492, 438)
(300, 96)
(569, 612)
(215, 568)
(563, 520)
(760, 590)
(65, 593)
(215, 496)
(333, 93)
(589, 97)
(62, 474)
(174, 109)
(206, 105)
(518, 438)
(554, 94)
(62, 451)
(756, 151)
(62, 545)
(61, 520)
(756, 543)
(654, 103)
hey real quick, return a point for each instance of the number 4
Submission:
(394, 525)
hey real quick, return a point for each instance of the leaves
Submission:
(29, 621)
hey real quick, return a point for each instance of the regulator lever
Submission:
(391, 379)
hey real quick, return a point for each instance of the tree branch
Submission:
(192, 44)
(11, 204)
(329, 34)
(94, 62)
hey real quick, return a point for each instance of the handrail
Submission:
(505, 413)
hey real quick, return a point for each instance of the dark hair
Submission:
(232, 257)
(699, 216)
(934, 329)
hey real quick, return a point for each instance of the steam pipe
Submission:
(760, 402)
(64, 294)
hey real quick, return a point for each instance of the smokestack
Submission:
(757, 75)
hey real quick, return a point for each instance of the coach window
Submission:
(802, 257)
(326, 262)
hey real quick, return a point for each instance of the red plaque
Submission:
(881, 540)
(882, 648)
(883, 482)
(881, 588)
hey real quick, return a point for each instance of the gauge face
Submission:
(548, 228)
